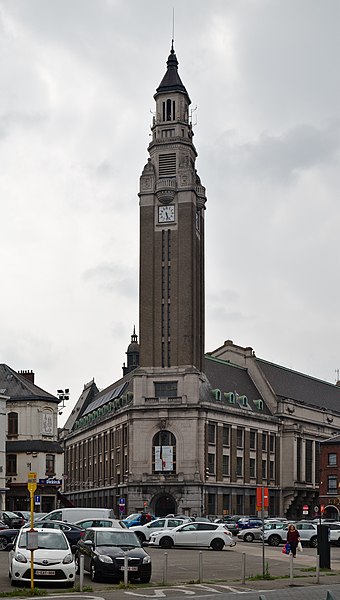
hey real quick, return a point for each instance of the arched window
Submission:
(164, 452)
(12, 423)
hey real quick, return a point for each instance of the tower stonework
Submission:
(172, 202)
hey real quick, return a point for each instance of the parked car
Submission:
(72, 532)
(307, 531)
(11, 519)
(7, 536)
(246, 523)
(53, 560)
(24, 514)
(250, 535)
(134, 519)
(3, 525)
(214, 535)
(86, 523)
(143, 532)
(71, 515)
(334, 532)
(104, 549)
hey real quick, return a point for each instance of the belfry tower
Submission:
(172, 202)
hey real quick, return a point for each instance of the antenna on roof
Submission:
(173, 29)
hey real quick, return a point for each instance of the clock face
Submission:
(166, 214)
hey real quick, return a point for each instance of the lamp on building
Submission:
(63, 396)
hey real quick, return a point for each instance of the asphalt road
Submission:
(222, 574)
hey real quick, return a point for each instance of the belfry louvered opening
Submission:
(167, 165)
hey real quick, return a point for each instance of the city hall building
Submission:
(184, 431)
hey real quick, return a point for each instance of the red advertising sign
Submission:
(259, 498)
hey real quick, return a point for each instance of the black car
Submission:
(11, 519)
(7, 536)
(73, 532)
(104, 549)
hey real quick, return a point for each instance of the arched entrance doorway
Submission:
(165, 505)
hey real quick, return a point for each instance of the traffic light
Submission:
(207, 473)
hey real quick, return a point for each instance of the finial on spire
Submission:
(173, 31)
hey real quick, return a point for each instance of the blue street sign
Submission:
(121, 501)
(36, 499)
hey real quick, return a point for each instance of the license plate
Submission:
(130, 568)
(45, 572)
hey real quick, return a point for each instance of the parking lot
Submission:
(227, 565)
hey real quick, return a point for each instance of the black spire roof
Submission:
(171, 81)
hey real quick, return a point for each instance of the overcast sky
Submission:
(77, 79)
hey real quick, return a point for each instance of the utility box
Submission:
(324, 547)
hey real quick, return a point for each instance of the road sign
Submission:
(36, 499)
(305, 507)
(316, 508)
(122, 508)
(121, 502)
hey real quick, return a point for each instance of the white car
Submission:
(214, 535)
(143, 532)
(53, 560)
(307, 532)
(100, 522)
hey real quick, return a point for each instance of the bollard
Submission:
(291, 569)
(317, 570)
(165, 569)
(81, 572)
(126, 565)
(200, 566)
(244, 568)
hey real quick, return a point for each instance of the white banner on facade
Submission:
(164, 458)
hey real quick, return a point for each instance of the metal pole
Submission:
(200, 566)
(81, 572)
(126, 564)
(32, 527)
(262, 517)
(243, 567)
(165, 569)
(318, 568)
(291, 569)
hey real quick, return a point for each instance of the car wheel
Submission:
(166, 542)
(140, 536)
(93, 572)
(274, 540)
(248, 537)
(217, 544)
(145, 579)
(313, 542)
(3, 543)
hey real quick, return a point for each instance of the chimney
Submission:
(29, 375)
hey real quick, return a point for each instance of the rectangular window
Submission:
(264, 469)
(252, 467)
(271, 469)
(252, 439)
(225, 465)
(166, 389)
(50, 464)
(271, 442)
(332, 484)
(317, 462)
(264, 441)
(239, 504)
(239, 437)
(239, 466)
(298, 459)
(226, 435)
(226, 504)
(211, 464)
(211, 433)
(252, 505)
(11, 464)
(211, 504)
(332, 459)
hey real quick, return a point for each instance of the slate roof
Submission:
(17, 387)
(33, 446)
(300, 387)
(171, 81)
(228, 377)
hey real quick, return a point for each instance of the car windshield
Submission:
(132, 517)
(117, 538)
(46, 539)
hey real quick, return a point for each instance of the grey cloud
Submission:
(13, 120)
(113, 278)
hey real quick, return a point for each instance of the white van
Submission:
(76, 514)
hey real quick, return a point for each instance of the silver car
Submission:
(255, 533)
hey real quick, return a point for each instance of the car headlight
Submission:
(146, 560)
(68, 559)
(20, 558)
(105, 558)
